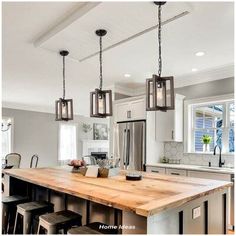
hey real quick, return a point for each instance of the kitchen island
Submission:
(158, 204)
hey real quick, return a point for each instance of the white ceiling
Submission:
(32, 75)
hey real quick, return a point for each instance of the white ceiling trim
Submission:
(65, 22)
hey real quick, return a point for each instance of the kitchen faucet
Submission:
(221, 163)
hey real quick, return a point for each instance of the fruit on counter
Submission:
(77, 163)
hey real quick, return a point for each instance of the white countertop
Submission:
(219, 170)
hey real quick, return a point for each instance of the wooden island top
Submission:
(153, 194)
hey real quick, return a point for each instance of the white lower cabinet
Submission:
(171, 171)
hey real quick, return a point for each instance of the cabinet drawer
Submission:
(155, 169)
(209, 175)
(170, 171)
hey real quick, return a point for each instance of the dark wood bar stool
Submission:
(30, 210)
(93, 228)
(62, 220)
(9, 204)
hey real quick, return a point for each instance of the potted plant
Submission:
(206, 140)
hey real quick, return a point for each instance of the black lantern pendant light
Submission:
(160, 90)
(100, 100)
(64, 107)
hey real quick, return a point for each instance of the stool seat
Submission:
(60, 217)
(61, 220)
(34, 206)
(14, 199)
(93, 228)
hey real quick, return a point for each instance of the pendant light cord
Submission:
(64, 80)
(100, 59)
(159, 42)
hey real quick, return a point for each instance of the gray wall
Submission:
(208, 89)
(37, 132)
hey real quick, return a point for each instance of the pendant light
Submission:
(160, 90)
(64, 107)
(100, 100)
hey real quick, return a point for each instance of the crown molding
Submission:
(217, 73)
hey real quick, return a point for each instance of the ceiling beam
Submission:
(182, 14)
(80, 11)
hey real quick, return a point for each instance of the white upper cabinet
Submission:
(130, 109)
(169, 125)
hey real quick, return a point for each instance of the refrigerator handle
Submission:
(124, 150)
(128, 148)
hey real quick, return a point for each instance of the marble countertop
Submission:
(222, 170)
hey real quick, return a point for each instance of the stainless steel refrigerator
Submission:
(130, 144)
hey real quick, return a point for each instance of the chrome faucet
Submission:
(221, 163)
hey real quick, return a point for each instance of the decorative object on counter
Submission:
(77, 164)
(164, 160)
(160, 90)
(92, 171)
(100, 100)
(133, 176)
(174, 161)
(108, 172)
(100, 131)
(206, 140)
(64, 107)
(6, 124)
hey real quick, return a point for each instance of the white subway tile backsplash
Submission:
(175, 150)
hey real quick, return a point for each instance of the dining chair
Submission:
(13, 159)
(90, 160)
(34, 161)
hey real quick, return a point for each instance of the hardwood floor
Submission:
(230, 232)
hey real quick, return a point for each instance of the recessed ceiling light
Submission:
(200, 54)
(127, 75)
(194, 69)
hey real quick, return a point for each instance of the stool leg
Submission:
(39, 226)
(27, 223)
(5, 214)
(14, 231)
(52, 230)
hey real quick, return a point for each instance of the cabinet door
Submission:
(171, 171)
(155, 169)
(138, 110)
(122, 111)
(165, 126)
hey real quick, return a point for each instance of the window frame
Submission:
(12, 133)
(59, 137)
(189, 120)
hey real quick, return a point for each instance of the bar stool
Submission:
(30, 210)
(53, 222)
(93, 228)
(9, 211)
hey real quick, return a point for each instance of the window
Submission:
(214, 118)
(6, 136)
(67, 142)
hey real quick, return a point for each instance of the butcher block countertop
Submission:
(153, 194)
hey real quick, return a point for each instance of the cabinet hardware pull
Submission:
(128, 114)
(174, 173)
(172, 134)
(156, 171)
